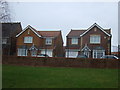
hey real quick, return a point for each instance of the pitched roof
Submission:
(75, 33)
(41, 33)
(81, 32)
(108, 30)
(95, 24)
(86, 48)
(31, 28)
(49, 33)
(33, 47)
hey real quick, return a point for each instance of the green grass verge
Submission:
(51, 77)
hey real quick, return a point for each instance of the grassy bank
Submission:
(51, 77)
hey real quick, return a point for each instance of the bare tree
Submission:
(4, 11)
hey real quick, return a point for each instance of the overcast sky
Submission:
(65, 16)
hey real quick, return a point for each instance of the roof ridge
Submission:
(75, 32)
(31, 28)
(95, 24)
(49, 33)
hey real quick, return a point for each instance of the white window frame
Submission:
(96, 52)
(28, 39)
(95, 39)
(71, 53)
(48, 41)
(74, 41)
(22, 52)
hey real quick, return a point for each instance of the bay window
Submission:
(22, 52)
(98, 53)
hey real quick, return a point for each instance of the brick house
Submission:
(31, 42)
(93, 42)
(9, 32)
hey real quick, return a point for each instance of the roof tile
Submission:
(49, 33)
(76, 33)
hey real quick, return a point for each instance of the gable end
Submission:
(96, 26)
(30, 29)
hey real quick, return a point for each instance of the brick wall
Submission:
(61, 62)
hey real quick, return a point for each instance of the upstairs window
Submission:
(74, 41)
(4, 41)
(95, 39)
(28, 39)
(48, 41)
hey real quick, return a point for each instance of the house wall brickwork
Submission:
(61, 62)
(36, 40)
(104, 40)
(40, 41)
(84, 39)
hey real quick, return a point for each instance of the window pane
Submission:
(22, 52)
(28, 39)
(73, 54)
(4, 41)
(74, 40)
(95, 39)
(48, 41)
(98, 53)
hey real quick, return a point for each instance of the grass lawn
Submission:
(56, 77)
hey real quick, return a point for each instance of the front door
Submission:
(33, 52)
(87, 53)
